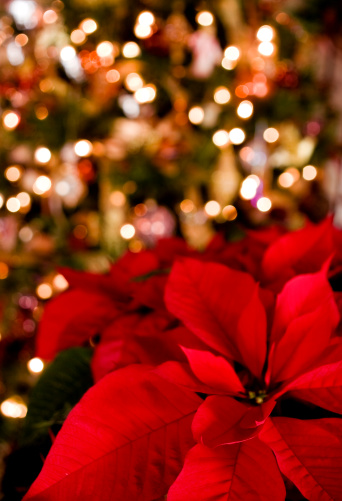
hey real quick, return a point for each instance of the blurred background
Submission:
(125, 121)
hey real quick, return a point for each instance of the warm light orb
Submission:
(294, 173)
(35, 365)
(265, 33)
(4, 270)
(146, 18)
(41, 112)
(42, 155)
(212, 208)
(130, 50)
(264, 204)
(21, 39)
(134, 82)
(309, 172)
(271, 135)
(196, 115)
(221, 138)
(44, 291)
(24, 199)
(205, 18)
(83, 148)
(13, 173)
(237, 135)
(221, 95)
(249, 187)
(286, 180)
(88, 26)
(127, 231)
(146, 94)
(245, 109)
(67, 53)
(117, 198)
(10, 120)
(229, 212)
(228, 64)
(13, 204)
(60, 283)
(232, 53)
(50, 16)
(112, 76)
(104, 49)
(266, 48)
(77, 37)
(142, 31)
(2, 201)
(25, 234)
(62, 188)
(42, 185)
(187, 206)
(13, 407)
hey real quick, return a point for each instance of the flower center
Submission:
(257, 397)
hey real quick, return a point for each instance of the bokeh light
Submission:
(131, 50)
(221, 138)
(212, 208)
(44, 291)
(35, 365)
(196, 115)
(221, 95)
(264, 204)
(271, 135)
(245, 109)
(309, 172)
(13, 173)
(14, 407)
(127, 231)
(265, 33)
(205, 18)
(237, 135)
(42, 155)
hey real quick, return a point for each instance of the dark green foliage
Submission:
(59, 388)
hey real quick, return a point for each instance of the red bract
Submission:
(297, 252)
(127, 438)
(223, 309)
(94, 301)
(91, 303)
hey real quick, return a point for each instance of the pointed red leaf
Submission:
(71, 319)
(136, 338)
(241, 472)
(150, 292)
(182, 375)
(135, 264)
(115, 284)
(303, 251)
(223, 420)
(214, 371)
(251, 335)
(209, 298)
(125, 440)
(309, 453)
(321, 386)
(304, 320)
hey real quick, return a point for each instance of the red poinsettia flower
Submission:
(94, 300)
(296, 353)
(130, 435)
(127, 311)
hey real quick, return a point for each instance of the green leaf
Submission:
(59, 388)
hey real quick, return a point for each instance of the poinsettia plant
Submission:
(232, 386)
